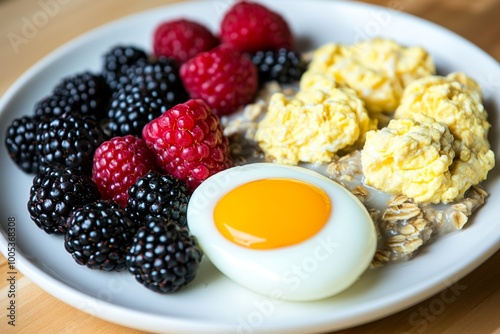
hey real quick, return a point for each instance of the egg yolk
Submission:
(272, 213)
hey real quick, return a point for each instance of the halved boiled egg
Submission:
(282, 231)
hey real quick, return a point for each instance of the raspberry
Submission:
(118, 163)
(250, 27)
(223, 77)
(188, 142)
(182, 39)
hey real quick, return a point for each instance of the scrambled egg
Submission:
(378, 69)
(436, 147)
(455, 100)
(411, 158)
(312, 126)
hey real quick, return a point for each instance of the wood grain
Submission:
(471, 305)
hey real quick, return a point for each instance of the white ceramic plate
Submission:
(212, 303)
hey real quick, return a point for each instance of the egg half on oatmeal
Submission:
(282, 231)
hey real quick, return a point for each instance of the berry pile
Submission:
(226, 73)
(116, 154)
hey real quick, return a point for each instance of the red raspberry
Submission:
(188, 142)
(182, 39)
(250, 27)
(223, 77)
(118, 163)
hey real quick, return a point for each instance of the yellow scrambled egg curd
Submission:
(313, 125)
(410, 157)
(455, 100)
(396, 162)
(378, 69)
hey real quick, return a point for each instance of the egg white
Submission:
(319, 267)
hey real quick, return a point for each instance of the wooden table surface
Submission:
(475, 303)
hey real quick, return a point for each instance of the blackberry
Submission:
(85, 92)
(99, 235)
(69, 141)
(53, 106)
(161, 75)
(158, 196)
(117, 60)
(163, 256)
(21, 143)
(132, 108)
(55, 193)
(284, 66)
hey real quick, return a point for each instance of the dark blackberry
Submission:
(87, 93)
(284, 66)
(21, 143)
(117, 60)
(132, 108)
(55, 193)
(68, 141)
(158, 196)
(99, 236)
(53, 106)
(163, 256)
(161, 75)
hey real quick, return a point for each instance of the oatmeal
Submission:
(403, 226)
